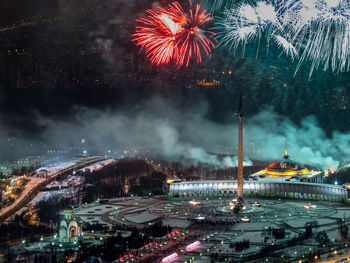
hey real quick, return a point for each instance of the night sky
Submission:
(60, 58)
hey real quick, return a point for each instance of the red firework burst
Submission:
(172, 34)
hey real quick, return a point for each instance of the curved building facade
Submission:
(285, 178)
(265, 187)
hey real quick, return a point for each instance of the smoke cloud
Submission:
(161, 128)
(306, 142)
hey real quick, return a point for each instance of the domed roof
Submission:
(285, 164)
(285, 167)
(68, 208)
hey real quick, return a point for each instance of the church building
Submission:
(69, 231)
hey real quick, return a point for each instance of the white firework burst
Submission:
(317, 31)
(327, 38)
(287, 48)
(246, 23)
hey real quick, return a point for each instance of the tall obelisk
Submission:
(240, 152)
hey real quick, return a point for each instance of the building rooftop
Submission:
(286, 167)
(260, 180)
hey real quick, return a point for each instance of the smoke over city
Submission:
(159, 128)
(79, 98)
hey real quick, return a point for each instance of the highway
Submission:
(343, 258)
(32, 193)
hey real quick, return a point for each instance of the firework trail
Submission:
(248, 23)
(327, 38)
(317, 31)
(194, 40)
(175, 35)
(217, 5)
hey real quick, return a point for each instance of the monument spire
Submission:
(285, 156)
(286, 150)
(240, 151)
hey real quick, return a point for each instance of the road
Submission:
(25, 199)
(33, 182)
(336, 258)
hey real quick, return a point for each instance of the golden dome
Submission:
(285, 167)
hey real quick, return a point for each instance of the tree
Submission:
(308, 231)
(343, 230)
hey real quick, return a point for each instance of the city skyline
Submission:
(120, 139)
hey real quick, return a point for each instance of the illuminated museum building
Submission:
(284, 178)
(287, 169)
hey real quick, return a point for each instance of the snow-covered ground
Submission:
(300, 223)
(93, 220)
(176, 223)
(45, 196)
(253, 226)
(141, 217)
(98, 165)
(54, 167)
(95, 209)
(342, 213)
(92, 213)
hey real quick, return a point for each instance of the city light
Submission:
(170, 258)
(193, 202)
(193, 246)
(123, 140)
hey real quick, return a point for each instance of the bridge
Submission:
(33, 192)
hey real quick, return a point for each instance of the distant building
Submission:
(285, 178)
(265, 187)
(288, 168)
